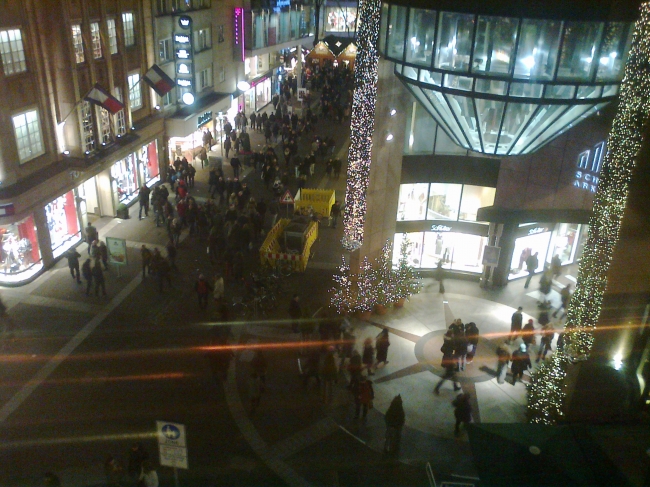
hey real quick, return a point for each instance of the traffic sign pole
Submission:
(176, 484)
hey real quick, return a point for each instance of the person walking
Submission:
(439, 275)
(471, 334)
(219, 289)
(73, 263)
(503, 357)
(363, 397)
(329, 373)
(449, 362)
(531, 266)
(368, 357)
(355, 367)
(528, 334)
(91, 235)
(462, 411)
(520, 363)
(148, 476)
(103, 254)
(382, 343)
(394, 419)
(143, 199)
(565, 297)
(146, 256)
(87, 273)
(515, 324)
(335, 212)
(547, 335)
(98, 277)
(202, 288)
(236, 166)
(460, 344)
(312, 367)
(137, 456)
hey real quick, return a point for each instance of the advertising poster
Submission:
(116, 250)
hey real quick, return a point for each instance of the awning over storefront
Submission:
(186, 120)
(496, 214)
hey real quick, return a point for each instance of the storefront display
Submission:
(150, 170)
(547, 240)
(19, 252)
(62, 223)
(125, 179)
(341, 19)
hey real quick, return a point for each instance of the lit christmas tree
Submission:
(406, 279)
(341, 295)
(365, 288)
(385, 276)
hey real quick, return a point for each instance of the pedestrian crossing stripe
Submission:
(287, 199)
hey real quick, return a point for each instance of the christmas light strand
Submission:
(546, 394)
(362, 124)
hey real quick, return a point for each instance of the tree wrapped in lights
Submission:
(362, 123)
(406, 279)
(342, 294)
(384, 276)
(365, 293)
(546, 394)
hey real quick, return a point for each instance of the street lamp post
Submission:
(220, 118)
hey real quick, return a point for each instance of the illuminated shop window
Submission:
(77, 42)
(12, 51)
(27, 130)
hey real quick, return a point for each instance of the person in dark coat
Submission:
(462, 411)
(528, 334)
(448, 361)
(520, 363)
(295, 312)
(515, 323)
(73, 263)
(531, 266)
(471, 334)
(382, 343)
(87, 273)
(137, 456)
(363, 396)
(395, 419)
(440, 276)
(368, 357)
(98, 277)
(503, 354)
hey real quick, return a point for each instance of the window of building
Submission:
(203, 40)
(27, 130)
(475, 197)
(341, 19)
(205, 78)
(396, 31)
(167, 99)
(415, 247)
(120, 117)
(96, 38)
(495, 44)
(135, 94)
(444, 201)
(112, 36)
(12, 51)
(162, 7)
(105, 126)
(412, 203)
(222, 74)
(128, 22)
(454, 41)
(87, 126)
(165, 50)
(419, 137)
(77, 42)
(176, 5)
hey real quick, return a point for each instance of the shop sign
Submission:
(238, 33)
(185, 22)
(203, 119)
(183, 69)
(185, 83)
(440, 228)
(116, 250)
(281, 3)
(589, 164)
(537, 230)
(491, 255)
(182, 38)
(182, 54)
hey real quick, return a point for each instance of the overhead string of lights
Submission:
(547, 392)
(362, 124)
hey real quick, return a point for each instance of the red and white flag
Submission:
(158, 80)
(99, 96)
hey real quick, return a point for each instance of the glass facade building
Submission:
(501, 85)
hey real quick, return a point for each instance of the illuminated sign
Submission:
(183, 69)
(203, 119)
(537, 230)
(182, 54)
(440, 228)
(589, 166)
(182, 38)
(238, 33)
(185, 22)
(185, 83)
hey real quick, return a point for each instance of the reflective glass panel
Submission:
(489, 114)
(458, 82)
(444, 201)
(610, 90)
(491, 86)
(569, 118)
(396, 31)
(537, 51)
(412, 202)
(528, 90)
(546, 115)
(382, 28)
(578, 50)
(454, 41)
(613, 51)
(442, 108)
(410, 72)
(420, 131)
(457, 251)
(463, 107)
(589, 91)
(415, 241)
(475, 197)
(430, 77)
(495, 44)
(560, 91)
(516, 118)
(420, 39)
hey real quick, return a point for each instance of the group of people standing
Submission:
(460, 342)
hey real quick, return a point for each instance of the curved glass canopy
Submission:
(501, 85)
